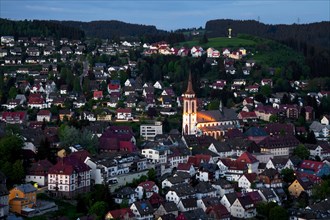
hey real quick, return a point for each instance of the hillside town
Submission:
(141, 121)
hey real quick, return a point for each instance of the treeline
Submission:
(112, 29)
(313, 40)
(117, 30)
(39, 28)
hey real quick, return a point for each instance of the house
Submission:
(171, 181)
(124, 114)
(314, 168)
(228, 199)
(268, 195)
(218, 212)
(113, 87)
(246, 116)
(232, 169)
(98, 95)
(22, 199)
(248, 181)
(167, 208)
(142, 210)
(196, 51)
(221, 148)
(207, 172)
(38, 172)
(205, 203)
(187, 204)
(186, 167)
(180, 191)
(250, 160)
(124, 214)
(36, 101)
(271, 178)
(65, 114)
(213, 53)
(205, 190)
(301, 185)
(18, 117)
(157, 154)
(243, 207)
(158, 85)
(116, 138)
(125, 194)
(69, 177)
(146, 189)
(321, 130)
(279, 145)
(194, 214)
(149, 131)
(44, 115)
(223, 187)
(4, 198)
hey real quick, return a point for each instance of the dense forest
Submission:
(313, 40)
(39, 28)
(112, 29)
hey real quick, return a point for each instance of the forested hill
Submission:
(113, 29)
(313, 40)
(40, 28)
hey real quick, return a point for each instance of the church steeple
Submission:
(189, 87)
(189, 117)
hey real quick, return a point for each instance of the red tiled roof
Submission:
(147, 185)
(124, 110)
(67, 166)
(198, 159)
(247, 157)
(184, 166)
(311, 165)
(44, 112)
(121, 213)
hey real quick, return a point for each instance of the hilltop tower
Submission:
(229, 32)
(189, 115)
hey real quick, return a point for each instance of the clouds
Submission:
(168, 14)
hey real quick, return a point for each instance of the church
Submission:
(213, 123)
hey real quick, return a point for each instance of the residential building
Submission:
(149, 131)
(4, 198)
(22, 199)
(69, 177)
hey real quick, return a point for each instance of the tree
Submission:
(12, 93)
(203, 40)
(266, 90)
(321, 191)
(278, 212)
(311, 139)
(99, 208)
(214, 105)
(152, 174)
(301, 151)
(288, 175)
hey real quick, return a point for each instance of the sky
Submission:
(169, 14)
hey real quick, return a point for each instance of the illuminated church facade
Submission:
(212, 123)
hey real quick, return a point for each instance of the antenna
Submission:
(298, 20)
(258, 18)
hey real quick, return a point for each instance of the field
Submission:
(220, 42)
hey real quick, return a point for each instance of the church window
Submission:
(186, 107)
(193, 107)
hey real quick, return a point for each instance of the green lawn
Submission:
(220, 42)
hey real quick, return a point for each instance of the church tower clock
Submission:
(189, 115)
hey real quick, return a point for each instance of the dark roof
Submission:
(183, 189)
(170, 207)
(231, 197)
(26, 188)
(144, 208)
(189, 203)
(255, 132)
(204, 187)
(196, 214)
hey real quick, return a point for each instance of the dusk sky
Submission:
(170, 14)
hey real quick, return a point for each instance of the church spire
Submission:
(189, 87)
